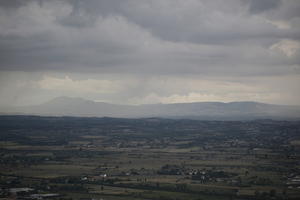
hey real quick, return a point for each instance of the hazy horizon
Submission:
(80, 107)
(136, 52)
(136, 104)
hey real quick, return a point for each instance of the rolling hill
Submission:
(67, 106)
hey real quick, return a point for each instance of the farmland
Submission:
(151, 158)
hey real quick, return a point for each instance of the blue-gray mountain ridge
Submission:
(67, 106)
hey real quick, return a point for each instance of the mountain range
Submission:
(68, 106)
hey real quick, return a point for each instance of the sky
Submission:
(150, 51)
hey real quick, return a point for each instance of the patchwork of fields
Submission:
(106, 158)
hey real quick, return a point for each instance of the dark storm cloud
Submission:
(258, 6)
(85, 14)
(134, 36)
(12, 3)
(189, 24)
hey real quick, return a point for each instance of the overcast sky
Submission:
(150, 51)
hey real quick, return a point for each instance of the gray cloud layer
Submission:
(188, 42)
(150, 36)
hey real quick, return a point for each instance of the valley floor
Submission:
(116, 159)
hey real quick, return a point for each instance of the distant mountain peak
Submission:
(74, 106)
(66, 98)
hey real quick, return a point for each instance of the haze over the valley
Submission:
(136, 52)
(66, 106)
